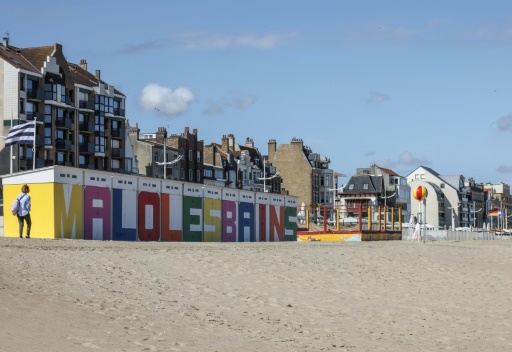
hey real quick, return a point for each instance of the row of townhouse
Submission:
(80, 119)
(81, 122)
(452, 201)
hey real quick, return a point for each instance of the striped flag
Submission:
(494, 212)
(21, 134)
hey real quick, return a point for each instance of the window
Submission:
(442, 185)
(351, 186)
(60, 158)
(190, 155)
(48, 114)
(22, 106)
(198, 175)
(82, 160)
(22, 81)
(182, 173)
(365, 186)
(198, 156)
(191, 175)
(48, 135)
(63, 94)
(207, 173)
(50, 91)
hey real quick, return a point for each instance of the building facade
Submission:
(305, 174)
(183, 158)
(81, 119)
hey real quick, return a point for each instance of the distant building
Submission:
(498, 197)
(362, 191)
(305, 174)
(81, 118)
(183, 154)
(449, 200)
(397, 192)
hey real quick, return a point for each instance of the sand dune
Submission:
(65, 295)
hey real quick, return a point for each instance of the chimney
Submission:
(249, 143)
(194, 131)
(186, 131)
(231, 138)
(225, 144)
(161, 135)
(5, 41)
(271, 149)
(83, 64)
(98, 74)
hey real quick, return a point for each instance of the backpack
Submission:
(15, 206)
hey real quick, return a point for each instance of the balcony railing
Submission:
(86, 148)
(36, 94)
(38, 116)
(118, 132)
(119, 112)
(66, 100)
(66, 122)
(84, 104)
(87, 127)
(117, 152)
(63, 144)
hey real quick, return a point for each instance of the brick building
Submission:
(81, 118)
(304, 174)
(185, 148)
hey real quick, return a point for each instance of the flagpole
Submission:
(10, 163)
(34, 146)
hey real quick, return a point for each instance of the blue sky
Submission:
(397, 83)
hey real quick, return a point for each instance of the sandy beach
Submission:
(65, 295)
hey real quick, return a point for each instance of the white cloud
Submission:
(165, 100)
(504, 169)
(138, 48)
(200, 40)
(378, 97)
(505, 123)
(219, 107)
(405, 158)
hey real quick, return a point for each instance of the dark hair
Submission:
(25, 189)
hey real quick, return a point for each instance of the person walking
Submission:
(24, 210)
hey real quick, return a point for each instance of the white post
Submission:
(10, 168)
(425, 219)
(165, 160)
(264, 176)
(34, 146)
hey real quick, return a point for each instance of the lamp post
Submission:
(265, 178)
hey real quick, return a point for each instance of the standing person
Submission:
(416, 233)
(24, 210)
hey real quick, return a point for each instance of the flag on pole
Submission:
(494, 212)
(21, 134)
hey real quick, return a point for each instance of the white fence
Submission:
(450, 235)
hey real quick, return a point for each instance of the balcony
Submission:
(84, 104)
(118, 133)
(87, 127)
(86, 148)
(66, 100)
(86, 166)
(66, 122)
(117, 152)
(36, 94)
(119, 112)
(63, 144)
(38, 116)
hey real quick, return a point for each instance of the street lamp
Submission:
(334, 201)
(453, 216)
(264, 178)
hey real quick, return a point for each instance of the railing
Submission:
(118, 132)
(63, 144)
(66, 122)
(119, 112)
(86, 148)
(84, 104)
(450, 235)
(117, 152)
(36, 94)
(66, 100)
(38, 116)
(87, 127)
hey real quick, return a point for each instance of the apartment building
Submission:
(498, 197)
(183, 158)
(305, 174)
(397, 192)
(80, 118)
(449, 202)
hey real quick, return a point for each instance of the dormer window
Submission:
(365, 186)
